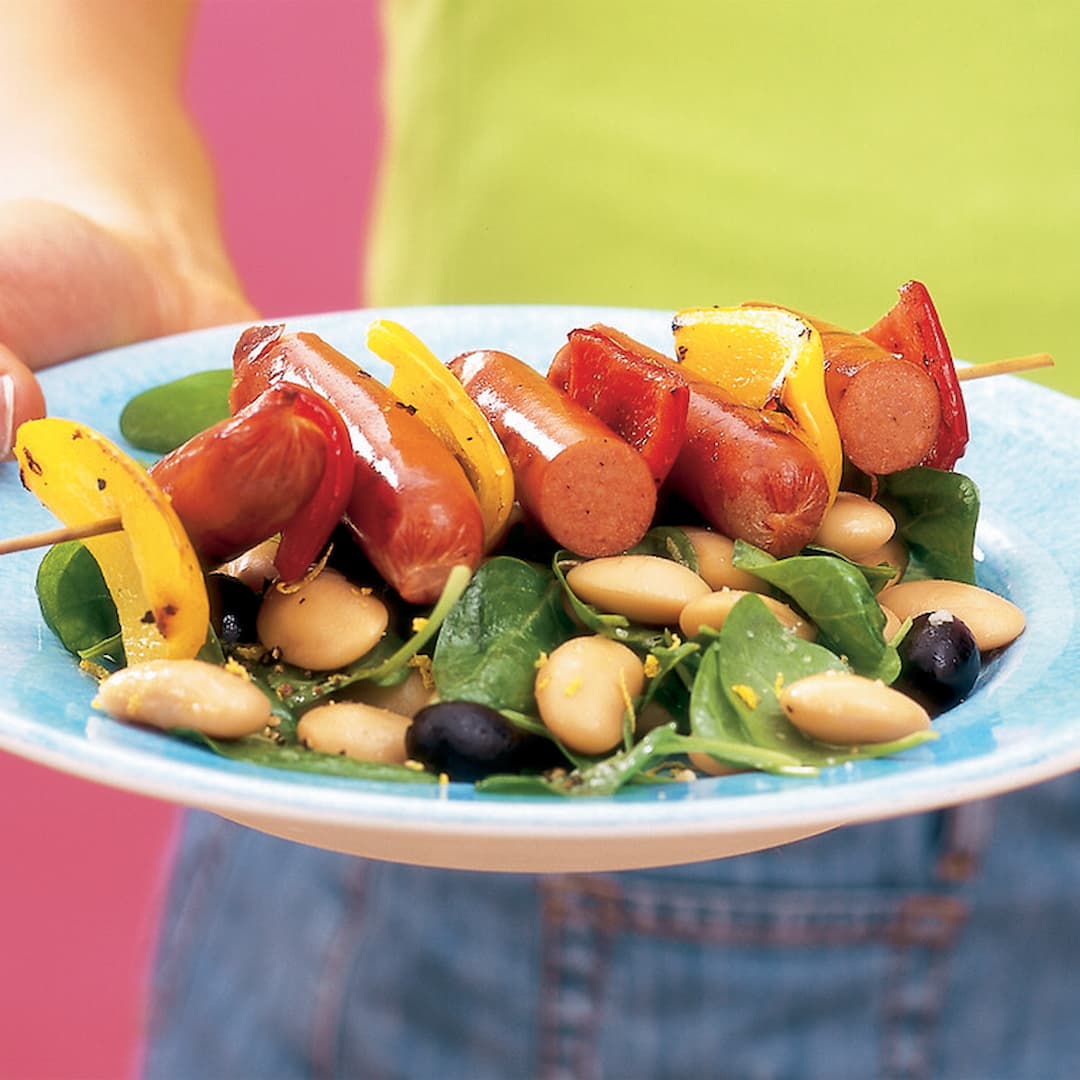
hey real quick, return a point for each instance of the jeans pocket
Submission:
(652, 979)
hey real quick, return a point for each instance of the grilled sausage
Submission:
(747, 474)
(589, 490)
(888, 409)
(412, 509)
(242, 480)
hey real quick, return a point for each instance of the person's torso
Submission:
(815, 155)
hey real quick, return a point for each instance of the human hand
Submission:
(109, 228)
(71, 285)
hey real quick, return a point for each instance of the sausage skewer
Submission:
(1010, 366)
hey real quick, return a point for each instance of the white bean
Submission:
(583, 690)
(407, 697)
(713, 609)
(709, 765)
(992, 620)
(854, 526)
(892, 623)
(845, 709)
(714, 552)
(185, 693)
(324, 624)
(894, 553)
(356, 730)
(644, 588)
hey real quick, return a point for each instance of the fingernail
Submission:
(7, 414)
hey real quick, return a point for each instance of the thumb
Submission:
(20, 398)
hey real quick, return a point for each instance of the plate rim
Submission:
(358, 804)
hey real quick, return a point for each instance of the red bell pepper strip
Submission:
(306, 534)
(630, 388)
(912, 330)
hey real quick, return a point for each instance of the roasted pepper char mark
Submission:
(590, 490)
(411, 507)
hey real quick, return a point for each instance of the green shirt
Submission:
(666, 155)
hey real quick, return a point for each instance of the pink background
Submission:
(285, 91)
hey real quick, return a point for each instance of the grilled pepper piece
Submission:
(150, 566)
(632, 389)
(421, 381)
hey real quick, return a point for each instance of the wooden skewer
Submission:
(58, 536)
(1005, 367)
(98, 528)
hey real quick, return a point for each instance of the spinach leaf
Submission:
(756, 657)
(877, 576)
(165, 417)
(259, 750)
(299, 688)
(936, 514)
(834, 594)
(608, 775)
(712, 716)
(667, 542)
(717, 727)
(490, 641)
(76, 605)
(670, 677)
(602, 777)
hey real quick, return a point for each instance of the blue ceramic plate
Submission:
(1021, 726)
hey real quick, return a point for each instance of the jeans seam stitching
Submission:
(328, 1008)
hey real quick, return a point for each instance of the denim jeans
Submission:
(943, 945)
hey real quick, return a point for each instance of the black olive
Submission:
(233, 609)
(468, 741)
(939, 661)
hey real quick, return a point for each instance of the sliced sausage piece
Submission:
(590, 491)
(747, 474)
(888, 409)
(412, 509)
(242, 480)
(636, 391)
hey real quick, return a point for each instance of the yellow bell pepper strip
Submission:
(150, 566)
(421, 381)
(770, 359)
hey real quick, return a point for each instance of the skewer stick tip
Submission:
(1009, 366)
(58, 536)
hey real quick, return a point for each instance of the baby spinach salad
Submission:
(712, 700)
(482, 644)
